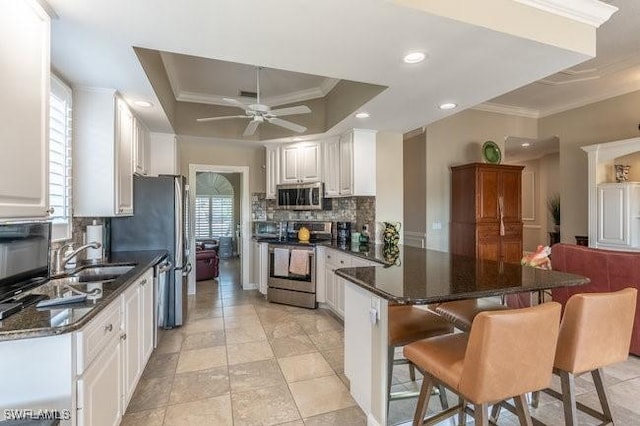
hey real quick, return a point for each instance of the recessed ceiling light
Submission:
(414, 57)
(526, 145)
(143, 104)
(448, 105)
(362, 115)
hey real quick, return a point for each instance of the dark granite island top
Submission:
(428, 276)
(35, 322)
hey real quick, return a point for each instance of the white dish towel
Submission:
(299, 262)
(281, 262)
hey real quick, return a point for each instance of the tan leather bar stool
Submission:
(505, 355)
(407, 324)
(595, 332)
(462, 312)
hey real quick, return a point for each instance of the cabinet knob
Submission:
(124, 336)
(50, 210)
(108, 328)
(120, 210)
(143, 282)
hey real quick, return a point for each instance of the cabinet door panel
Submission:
(346, 164)
(612, 215)
(329, 282)
(511, 189)
(487, 195)
(309, 163)
(24, 111)
(289, 164)
(132, 366)
(332, 168)
(99, 398)
(124, 160)
(273, 172)
(511, 250)
(147, 318)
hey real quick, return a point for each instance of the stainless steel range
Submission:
(292, 265)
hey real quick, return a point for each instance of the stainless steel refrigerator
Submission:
(160, 222)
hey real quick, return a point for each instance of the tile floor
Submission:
(242, 361)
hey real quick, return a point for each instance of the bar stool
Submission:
(595, 332)
(407, 324)
(462, 312)
(505, 355)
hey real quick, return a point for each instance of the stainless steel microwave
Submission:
(300, 196)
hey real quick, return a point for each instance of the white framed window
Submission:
(214, 216)
(60, 177)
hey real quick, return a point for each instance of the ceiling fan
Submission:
(259, 113)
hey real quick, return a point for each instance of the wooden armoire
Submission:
(486, 212)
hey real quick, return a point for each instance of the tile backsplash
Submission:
(357, 210)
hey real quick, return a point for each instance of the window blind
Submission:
(60, 177)
(214, 216)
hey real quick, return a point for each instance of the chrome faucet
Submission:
(62, 260)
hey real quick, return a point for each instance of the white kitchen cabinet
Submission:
(331, 167)
(273, 170)
(99, 389)
(334, 285)
(300, 162)
(102, 154)
(350, 164)
(140, 148)
(24, 111)
(163, 154)
(619, 215)
(137, 332)
(260, 265)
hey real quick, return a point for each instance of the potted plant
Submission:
(553, 204)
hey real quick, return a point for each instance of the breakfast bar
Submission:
(418, 277)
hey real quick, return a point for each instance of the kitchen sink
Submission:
(101, 272)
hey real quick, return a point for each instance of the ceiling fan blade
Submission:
(235, 103)
(287, 125)
(300, 109)
(220, 118)
(251, 128)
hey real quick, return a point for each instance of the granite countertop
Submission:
(38, 322)
(421, 276)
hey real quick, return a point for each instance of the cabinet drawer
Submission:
(97, 334)
(513, 230)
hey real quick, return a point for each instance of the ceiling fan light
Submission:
(362, 114)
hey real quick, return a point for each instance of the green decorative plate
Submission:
(491, 152)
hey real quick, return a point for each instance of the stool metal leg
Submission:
(598, 381)
(523, 410)
(480, 415)
(423, 401)
(567, 380)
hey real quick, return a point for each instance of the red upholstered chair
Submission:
(207, 262)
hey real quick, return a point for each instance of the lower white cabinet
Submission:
(99, 388)
(619, 215)
(260, 265)
(122, 336)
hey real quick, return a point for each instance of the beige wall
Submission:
(609, 120)
(415, 187)
(458, 140)
(197, 150)
(389, 205)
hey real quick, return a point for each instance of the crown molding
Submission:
(570, 81)
(591, 100)
(273, 101)
(590, 12)
(508, 110)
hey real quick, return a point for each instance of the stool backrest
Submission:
(596, 330)
(510, 352)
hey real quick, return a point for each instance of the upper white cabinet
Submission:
(24, 110)
(140, 148)
(350, 164)
(273, 170)
(102, 154)
(331, 167)
(162, 154)
(300, 162)
(619, 215)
